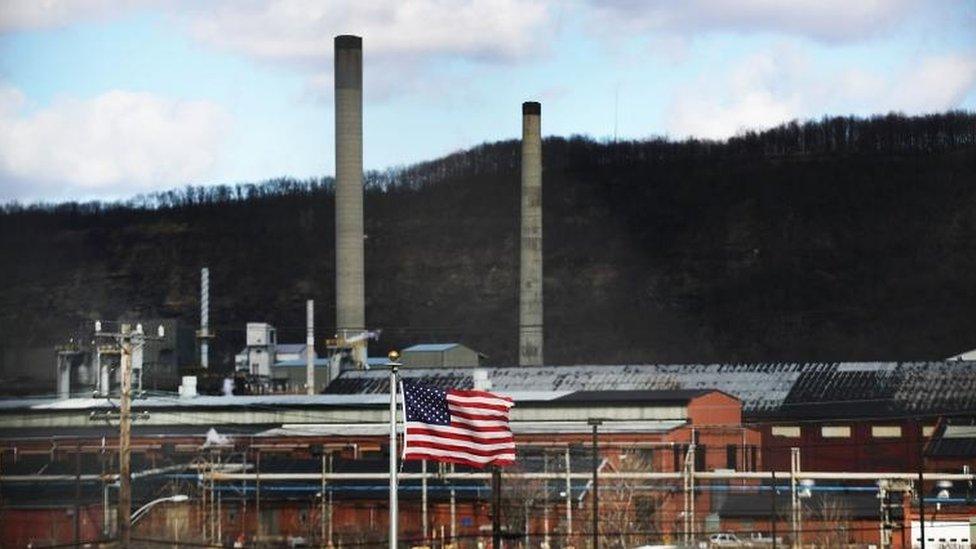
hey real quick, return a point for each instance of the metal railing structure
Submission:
(273, 493)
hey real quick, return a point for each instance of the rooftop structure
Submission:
(426, 355)
(808, 390)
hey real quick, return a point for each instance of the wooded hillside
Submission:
(842, 239)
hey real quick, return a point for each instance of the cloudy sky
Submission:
(104, 99)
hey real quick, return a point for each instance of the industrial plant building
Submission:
(683, 450)
(652, 419)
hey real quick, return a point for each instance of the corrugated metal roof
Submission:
(430, 347)
(290, 348)
(955, 438)
(375, 399)
(319, 363)
(671, 396)
(823, 390)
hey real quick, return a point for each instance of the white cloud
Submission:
(39, 14)
(402, 41)
(822, 20)
(758, 92)
(117, 144)
(301, 31)
(934, 84)
(776, 86)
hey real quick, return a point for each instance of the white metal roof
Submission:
(518, 428)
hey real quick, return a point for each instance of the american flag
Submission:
(455, 426)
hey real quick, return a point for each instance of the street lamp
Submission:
(144, 510)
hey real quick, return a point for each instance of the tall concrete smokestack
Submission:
(350, 284)
(530, 279)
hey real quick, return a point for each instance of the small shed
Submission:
(436, 355)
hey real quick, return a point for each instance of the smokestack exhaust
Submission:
(350, 280)
(530, 279)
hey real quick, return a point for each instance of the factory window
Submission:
(886, 431)
(730, 455)
(792, 431)
(836, 431)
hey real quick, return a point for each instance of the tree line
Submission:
(837, 239)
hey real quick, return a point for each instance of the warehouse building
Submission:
(289, 433)
(440, 355)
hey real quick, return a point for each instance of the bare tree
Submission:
(834, 518)
(627, 506)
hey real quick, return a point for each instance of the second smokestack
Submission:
(530, 279)
(350, 283)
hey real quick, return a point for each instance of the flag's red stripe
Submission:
(465, 404)
(452, 448)
(436, 453)
(459, 461)
(485, 434)
(473, 393)
(477, 417)
(481, 428)
(456, 436)
(478, 413)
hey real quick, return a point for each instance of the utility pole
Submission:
(545, 500)
(322, 503)
(329, 533)
(423, 503)
(453, 511)
(257, 496)
(595, 423)
(921, 479)
(496, 507)
(125, 432)
(569, 499)
(773, 520)
(688, 474)
(885, 531)
(127, 340)
(78, 493)
(795, 508)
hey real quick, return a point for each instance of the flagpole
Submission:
(393, 356)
